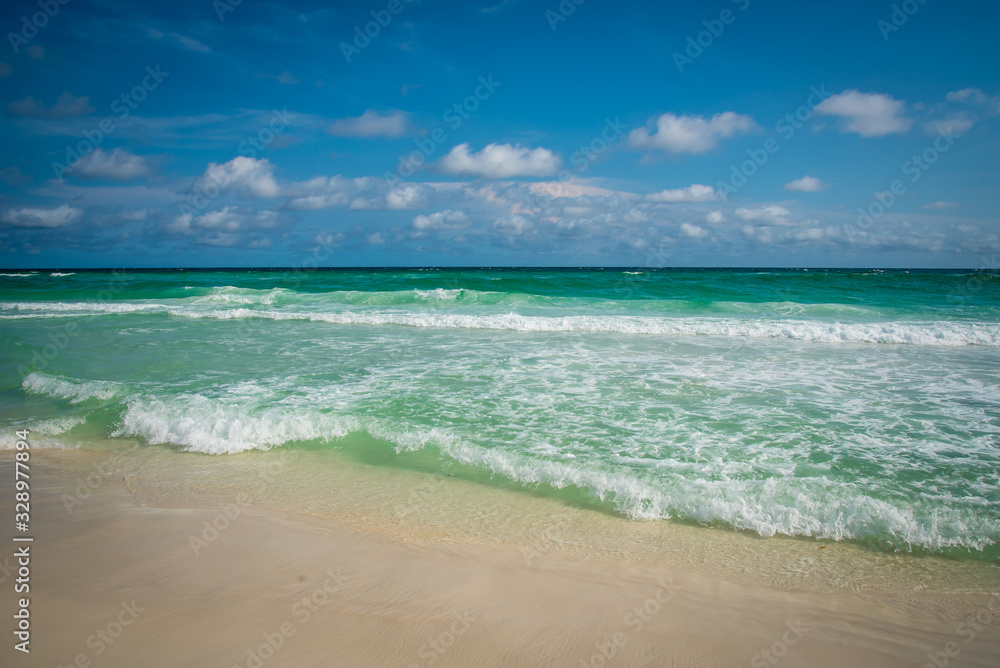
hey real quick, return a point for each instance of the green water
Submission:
(855, 405)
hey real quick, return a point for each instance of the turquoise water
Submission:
(859, 405)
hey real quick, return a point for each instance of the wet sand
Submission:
(130, 578)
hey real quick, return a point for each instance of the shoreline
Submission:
(367, 589)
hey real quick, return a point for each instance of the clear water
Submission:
(845, 405)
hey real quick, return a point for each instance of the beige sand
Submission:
(274, 588)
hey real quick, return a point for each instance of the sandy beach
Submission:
(129, 578)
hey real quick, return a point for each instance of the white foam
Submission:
(56, 273)
(696, 484)
(60, 388)
(768, 507)
(200, 424)
(232, 295)
(93, 307)
(928, 333)
(438, 293)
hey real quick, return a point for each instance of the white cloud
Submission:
(693, 193)
(954, 125)
(969, 94)
(807, 184)
(67, 106)
(118, 165)
(693, 231)
(407, 196)
(867, 114)
(241, 173)
(689, 134)
(772, 215)
(376, 238)
(326, 192)
(372, 123)
(63, 214)
(500, 161)
(557, 189)
(715, 217)
(515, 225)
(441, 220)
(940, 206)
(635, 216)
(225, 221)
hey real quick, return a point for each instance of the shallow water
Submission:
(858, 406)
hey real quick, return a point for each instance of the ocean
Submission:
(832, 404)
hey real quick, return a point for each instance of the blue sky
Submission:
(501, 132)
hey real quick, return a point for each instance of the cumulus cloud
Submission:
(715, 217)
(957, 124)
(118, 165)
(500, 161)
(771, 236)
(38, 217)
(441, 220)
(867, 114)
(689, 134)
(974, 95)
(693, 193)
(770, 215)
(325, 192)
(693, 231)
(224, 221)
(556, 189)
(67, 106)
(514, 226)
(940, 206)
(807, 184)
(241, 173)
(372, 123)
